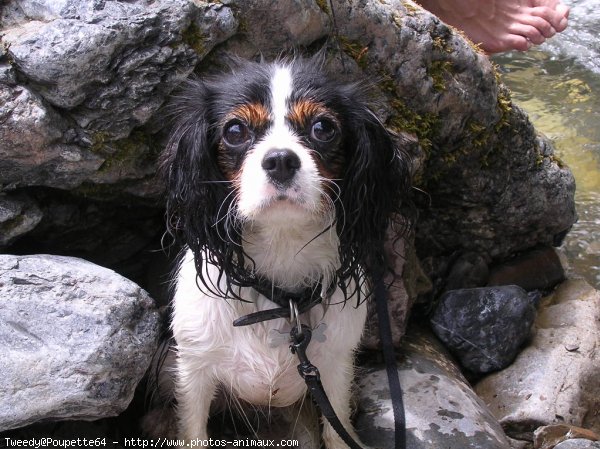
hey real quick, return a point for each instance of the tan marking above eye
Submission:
(255, 115)
(303, 112)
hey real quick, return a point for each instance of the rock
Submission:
(470, 270)
(132, 56)
(493, 185)
(72, 117)
(547, 437)
(578, 443)
(441, 409)
(33, 149)
(537, 269)
(484, 327)
(407, 282)
(555, 379)
(75, 334)
(87, 111)
(19, 214)
(277, 25)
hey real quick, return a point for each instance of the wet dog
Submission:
(282, 181)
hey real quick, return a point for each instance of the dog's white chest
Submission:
(265, 375)
(254, 362)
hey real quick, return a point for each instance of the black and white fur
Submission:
(280, 172)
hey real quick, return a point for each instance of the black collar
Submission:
(305, 300)
(282, 297)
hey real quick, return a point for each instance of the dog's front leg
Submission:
(195, 390)
(337, 388)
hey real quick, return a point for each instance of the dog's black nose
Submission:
(281, 165)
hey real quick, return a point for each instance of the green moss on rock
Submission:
(355, 50)
(323, 5)
(411, 9)
(405, 119)
(137, 149)
(193, 37)
(439, 71)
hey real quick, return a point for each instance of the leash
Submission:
(301, 335)
(389, 357)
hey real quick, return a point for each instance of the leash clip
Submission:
(301, 334)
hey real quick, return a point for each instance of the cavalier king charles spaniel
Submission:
(282, 183)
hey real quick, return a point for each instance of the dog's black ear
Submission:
(197, 191)
(185, 164)
(375, 185)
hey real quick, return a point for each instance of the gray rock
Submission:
(119, 74)
(485, 327)
(555, 379)
(76, 339)
(19, 214)
(441, 409)
(578, 443)
(33, 151)
(275, 25)
(90, 72)
(494, 186)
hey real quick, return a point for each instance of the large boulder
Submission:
(89, 109)
(83, 82)
(441, 409)
(76, 339)
(494, 186)
(79, 76)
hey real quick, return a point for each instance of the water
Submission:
(557, 84)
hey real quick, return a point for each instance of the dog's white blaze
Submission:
(281, 90)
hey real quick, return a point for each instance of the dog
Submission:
(281, 181)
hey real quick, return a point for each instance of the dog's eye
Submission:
(236, 134)
(323, 130)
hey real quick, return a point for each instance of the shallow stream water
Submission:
(558, 85)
